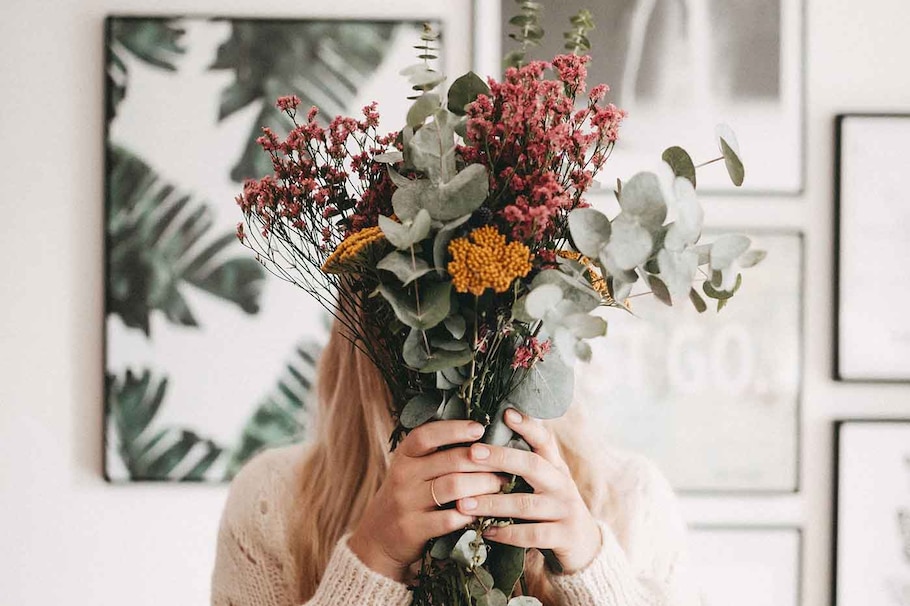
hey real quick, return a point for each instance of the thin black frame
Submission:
(802, 65)
(839, 201)
(797, 486)
(835, 506)
(759, 528)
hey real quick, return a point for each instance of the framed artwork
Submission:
(730, 559)
(712, 398)
(871, 247)
(872, 513)
(206, 360)
(680, 68)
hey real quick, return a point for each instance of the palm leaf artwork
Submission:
(156, 247)
(322, 62)
(282, 417)
(166, 453)
(155, 42)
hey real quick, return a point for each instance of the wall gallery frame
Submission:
(206, 360)
(872, 280)
(715, 398)
(765, 558)
(680, 68)
(871, 512)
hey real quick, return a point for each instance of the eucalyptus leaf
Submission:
(690, 216)
(524, 600)
(497, 432)
(455, 324)
(680, 163)
(659, 290)
(443, 383)
(400, 180)
(449, 344)
(392, 157)
(469, 550)
(590, 230)
(545, 390)
(727, 249)
(435, 303)
(494, 598)
(585, 326)
(677, 270)
(580, 294)
(443, 546)
(542, 299)
(699, 303)
(414, 351)
(419, 409)
(734, 165)
(752, 258)
(405, 267)
(582, 351)
(464, 193)
(629, 246)
(643, 199)
(403, 236)
(424, 107)
(442, 358)
(433, 149)
(453, 409)
(465, 90)
(485, 579)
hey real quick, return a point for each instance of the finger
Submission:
(525, 506)
(439, 522)
(545, 535)
(429, 437)
(536, 434)
(455, 486)
(444, 462)
(539, 473)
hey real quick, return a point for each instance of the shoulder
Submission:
(261, 495)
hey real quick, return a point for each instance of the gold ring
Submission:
(433, 493)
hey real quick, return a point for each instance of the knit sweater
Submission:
(641, 561)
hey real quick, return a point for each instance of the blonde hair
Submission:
(348, 458)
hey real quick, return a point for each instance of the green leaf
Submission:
(576, 292)
(677, 270)
(544, 391)
(469, 550)
(424, 107)
(455, 324)
(752, 258)
(433, 150)
(443, 546)
(686, 230)
(442, 239)
(414, 351)
(419, 409)
(494, 598)
(629, 246)
(727, 249)
(405, 267)
(659, 290)
(506, 564)
(643, 199)
(590, 231)
(461, 195)
(699, 303)
(524, 600)
(734, 165)
(453, 409)
(680, 163)
(542, 299)
(391, 157)
(464, 91)
(585, 326)
(721, 295)
(442, 358)
(403, 236)
(435, 303)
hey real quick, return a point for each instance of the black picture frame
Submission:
(796, 530)
(837, 490)
(837, 368)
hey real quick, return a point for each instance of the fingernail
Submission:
(476, 430)
(513, 416)
(469, 504)
(490, 532)
(480, 452)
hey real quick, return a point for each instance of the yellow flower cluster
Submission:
(597, 281)
(483, 260)
(349, 248)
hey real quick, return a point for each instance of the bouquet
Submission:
(462, 257)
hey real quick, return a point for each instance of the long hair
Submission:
(347, 460)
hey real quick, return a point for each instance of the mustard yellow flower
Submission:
(483, 260)
(340, 260)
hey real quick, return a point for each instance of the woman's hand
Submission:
(559, 518)
(404, 514)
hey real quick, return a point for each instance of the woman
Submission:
(342, 521)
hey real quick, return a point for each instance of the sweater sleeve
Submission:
(642, 560)
(254, 565)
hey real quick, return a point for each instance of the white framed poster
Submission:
(872, 513)
(679, 68)
(872, 248)
(747, 566)
(208, 359)
(712, 398)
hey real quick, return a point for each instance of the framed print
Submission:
(872, 513)
(679, 69)
(748, 566)
(871, 247)
(712, 398)
(206, 360)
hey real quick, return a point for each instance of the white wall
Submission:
(66, 536)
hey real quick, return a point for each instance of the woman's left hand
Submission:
(558, 518)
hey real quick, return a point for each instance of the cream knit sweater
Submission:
(641, 562)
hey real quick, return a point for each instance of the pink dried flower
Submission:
(288, 103)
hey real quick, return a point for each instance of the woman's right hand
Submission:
(403, 516)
